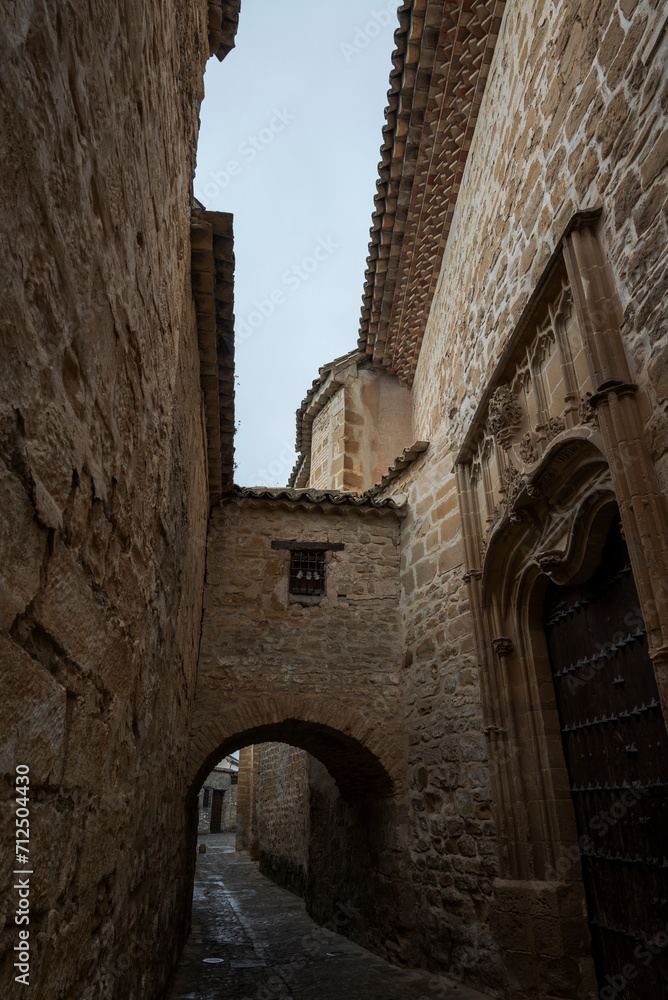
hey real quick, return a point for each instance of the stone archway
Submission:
(359, 886)
(362, 758)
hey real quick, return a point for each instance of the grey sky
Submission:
(296, 109)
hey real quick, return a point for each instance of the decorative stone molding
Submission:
(502, 647)
(554, 426)
(504, 415)
(513, 481)
(586, 411)
(528, 450)
(579, 457)
(643, 506)
(541, 389)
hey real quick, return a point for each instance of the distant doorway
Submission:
(216, 810)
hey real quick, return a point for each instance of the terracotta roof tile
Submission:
(323, 498)
(441, 63)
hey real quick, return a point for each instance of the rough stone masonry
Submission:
(514, 309)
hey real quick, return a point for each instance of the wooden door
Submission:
(216, 810)
(616, 750)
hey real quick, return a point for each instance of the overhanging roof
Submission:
(212, 273)
(441, 64)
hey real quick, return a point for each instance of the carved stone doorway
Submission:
(616, 751)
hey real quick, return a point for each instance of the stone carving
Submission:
(554, 426)
(504, 415)
(502, 646)
(587, 413)
(528, 450)
(513, 480)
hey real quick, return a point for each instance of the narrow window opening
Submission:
(307, 572)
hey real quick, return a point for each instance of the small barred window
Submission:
(307, 572)
(207, 798)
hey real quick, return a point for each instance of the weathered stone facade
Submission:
(104, 484)
(278, 658)
(283, 814)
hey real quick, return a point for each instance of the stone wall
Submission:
(103, 484)
(378, 426)
(346, 856)
(332, 664)
(452, 842)
(283, 814)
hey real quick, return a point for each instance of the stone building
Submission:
(455, 616)
(217, 799)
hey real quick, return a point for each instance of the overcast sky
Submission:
(290, 143)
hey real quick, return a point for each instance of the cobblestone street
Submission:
(252, 940)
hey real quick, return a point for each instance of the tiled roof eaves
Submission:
(441, 63)
(400, 465)
(329, 499)
(212, 276)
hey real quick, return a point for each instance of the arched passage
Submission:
(356, 872)
(359, 774)
(363, 757)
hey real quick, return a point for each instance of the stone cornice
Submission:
(441, 64)
(212, 270)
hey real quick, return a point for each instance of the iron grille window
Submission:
(207, 798)
(307, 572)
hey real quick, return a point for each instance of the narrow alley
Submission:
(252, 940)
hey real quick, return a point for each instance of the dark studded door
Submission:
(616, 751)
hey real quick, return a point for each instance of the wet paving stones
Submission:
(252, 940)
